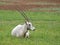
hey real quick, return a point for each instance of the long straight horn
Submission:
(23, 14)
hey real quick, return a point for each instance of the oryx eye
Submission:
(29, 25)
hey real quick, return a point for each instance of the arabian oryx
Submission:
(23, 30)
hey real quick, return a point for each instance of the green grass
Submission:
(47, 28)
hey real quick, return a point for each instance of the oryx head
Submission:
(27, 21)
(29, 26)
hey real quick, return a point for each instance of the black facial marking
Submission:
(28, 27)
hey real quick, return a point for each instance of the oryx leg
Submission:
(27, 34)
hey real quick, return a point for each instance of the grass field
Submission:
(47, 28)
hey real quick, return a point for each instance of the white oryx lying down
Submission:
(22, 30)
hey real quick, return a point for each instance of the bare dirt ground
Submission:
(29, 5)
